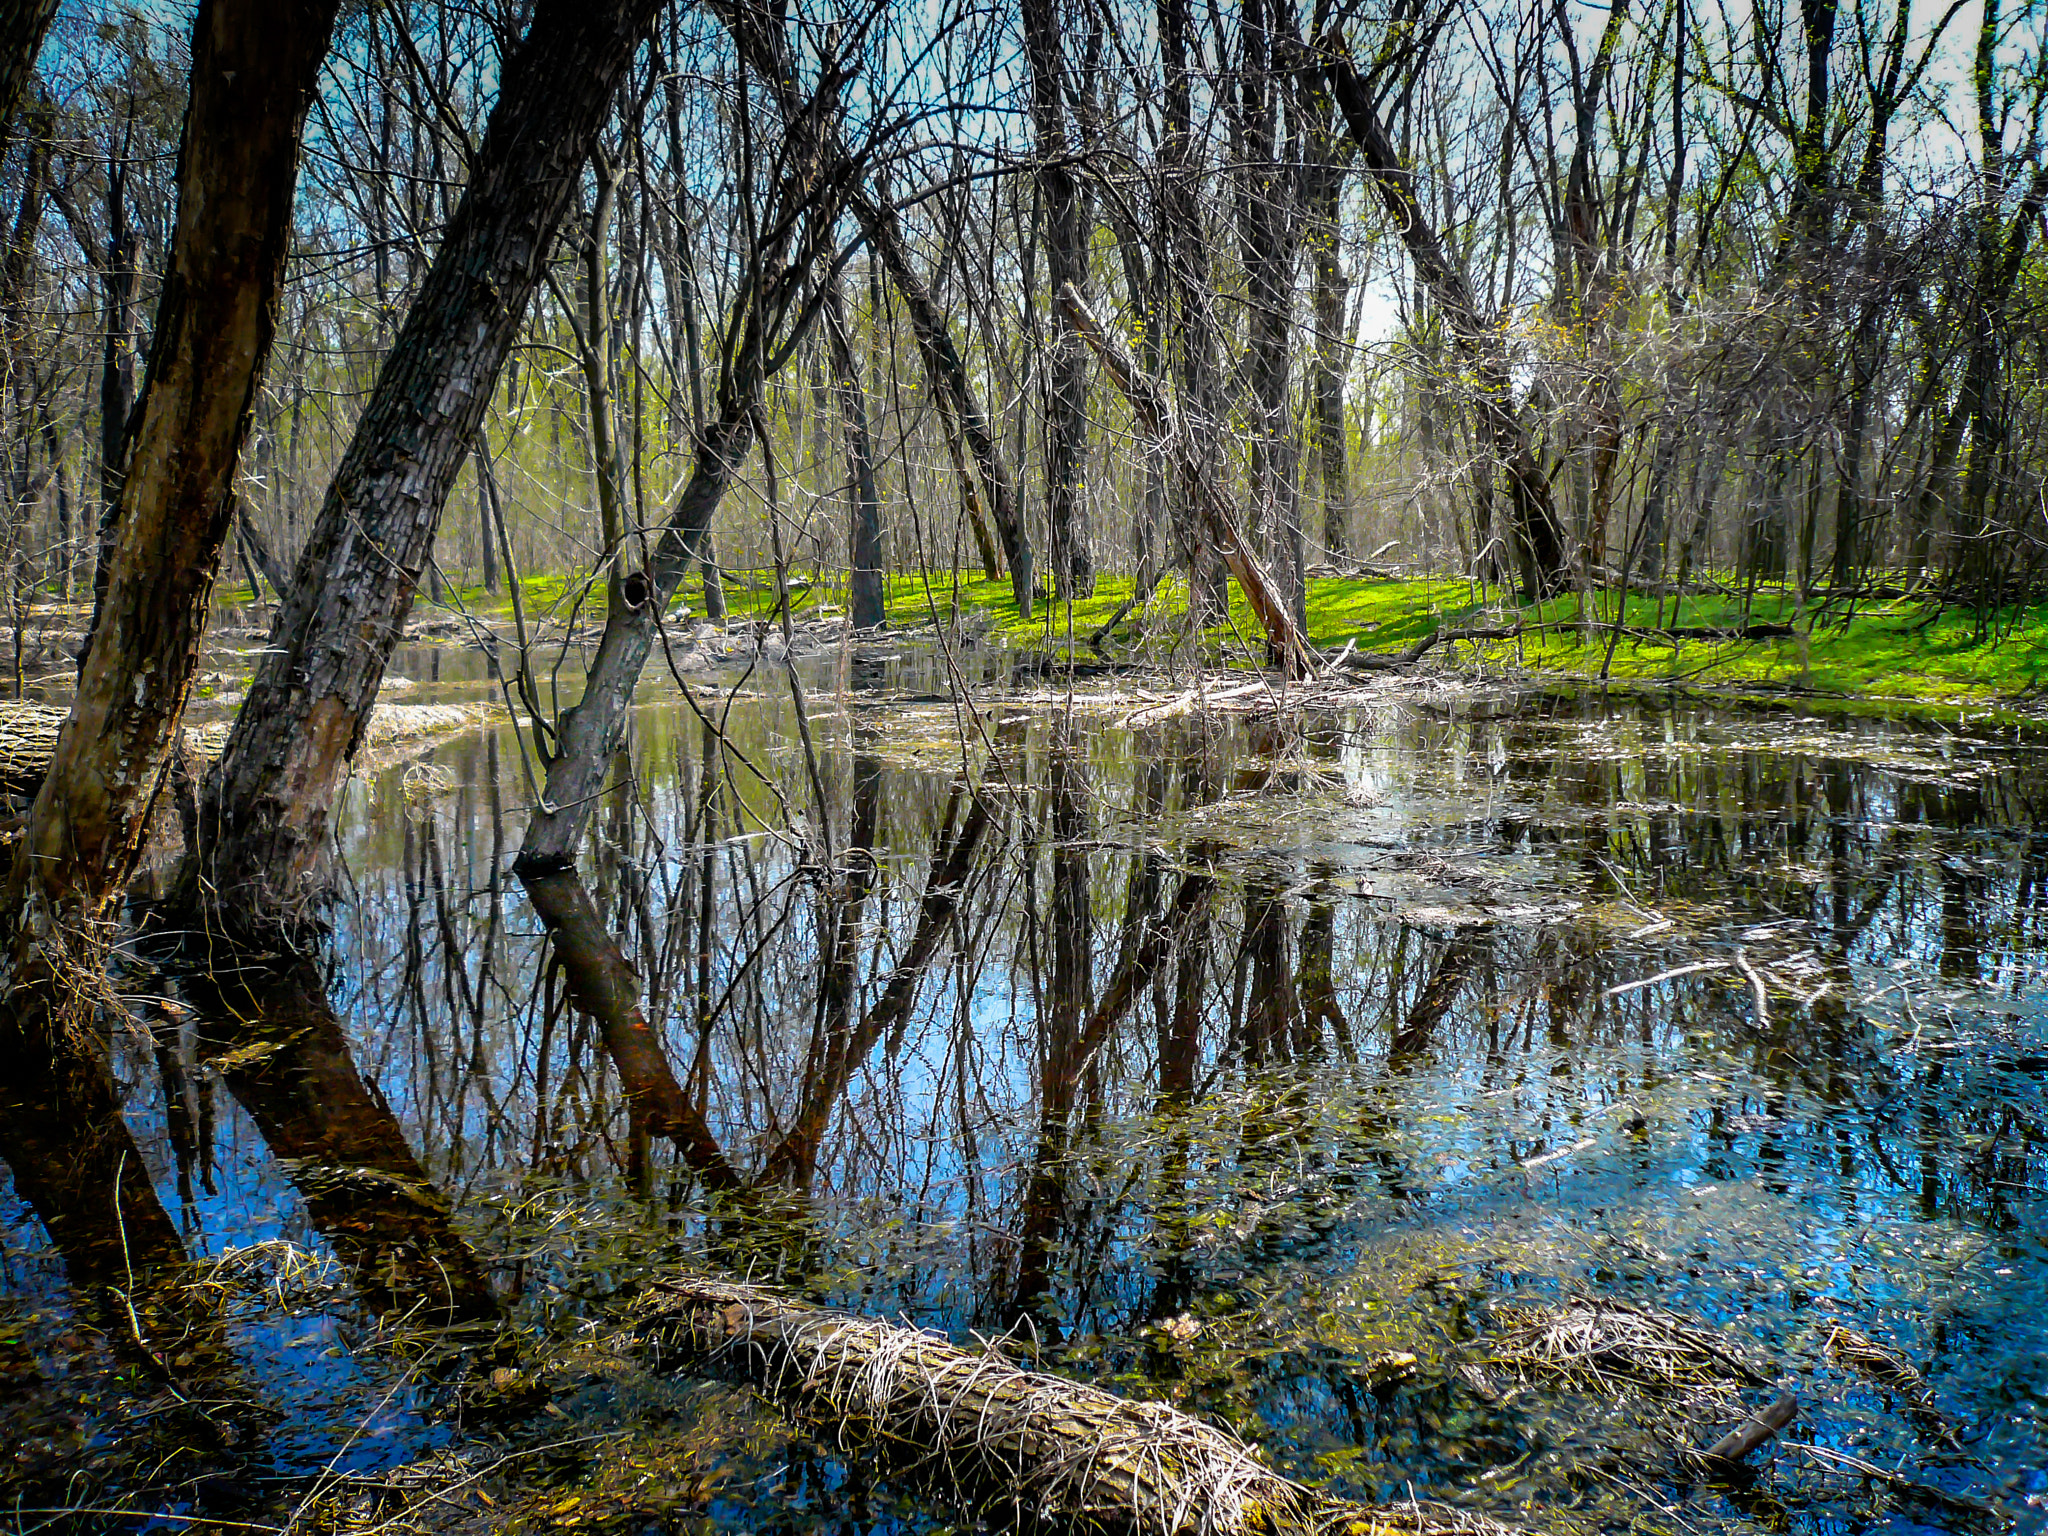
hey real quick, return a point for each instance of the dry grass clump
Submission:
(1054, 1450)
(1608, 1346)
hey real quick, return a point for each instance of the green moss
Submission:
(1882, 654)
(1899, 651)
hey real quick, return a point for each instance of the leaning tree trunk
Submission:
(1215, 521)
(266, 808)
(955, 394)
(255, 65)
(1539, 535)
(819, 174)
(23, 25)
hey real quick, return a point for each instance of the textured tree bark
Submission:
(23, 25)
(255, 64)
(267, 803)
(1066, 416)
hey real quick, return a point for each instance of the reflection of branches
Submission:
(285, 1059)
(1455, 963)
(795, 1155)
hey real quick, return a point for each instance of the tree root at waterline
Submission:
(994, 1435)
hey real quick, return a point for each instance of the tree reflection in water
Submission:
(1118, 1039)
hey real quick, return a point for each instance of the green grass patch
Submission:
(1898, 651)
(1883, 652)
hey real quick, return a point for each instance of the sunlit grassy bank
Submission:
(1897, 650)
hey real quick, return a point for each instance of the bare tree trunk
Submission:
(117, 372)
(595, 341)
(1217, 523)
(486, 525)
(1323, 196)
(1066, 420)
(864, 541)
(954, 391)
(1539, 536)
(1191, 331)
(1269, 230)
(267, 803)
(255, 64)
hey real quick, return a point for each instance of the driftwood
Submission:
(1041, 1448)
(1606, 1345)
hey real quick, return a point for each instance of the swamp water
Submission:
(1220, 1060)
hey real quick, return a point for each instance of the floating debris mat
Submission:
(995, 1436)
(1606, 1346)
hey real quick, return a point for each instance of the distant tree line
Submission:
(1547, 295)
(1563, 298)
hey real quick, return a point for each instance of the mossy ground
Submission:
(1899, 651)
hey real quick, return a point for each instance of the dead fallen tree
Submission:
(994, 1435)
(28, 735)
(1615, 1349)
(1393, 661)
(1716, 632)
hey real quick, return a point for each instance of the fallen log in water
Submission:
(994, 1435)
(28, 734)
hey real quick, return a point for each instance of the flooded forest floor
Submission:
(1478, 1097)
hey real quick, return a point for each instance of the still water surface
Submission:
(1208, 1059)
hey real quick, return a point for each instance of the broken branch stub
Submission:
(996, 1435)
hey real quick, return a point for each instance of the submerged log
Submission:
(1756, 1430)
(998, 1437)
